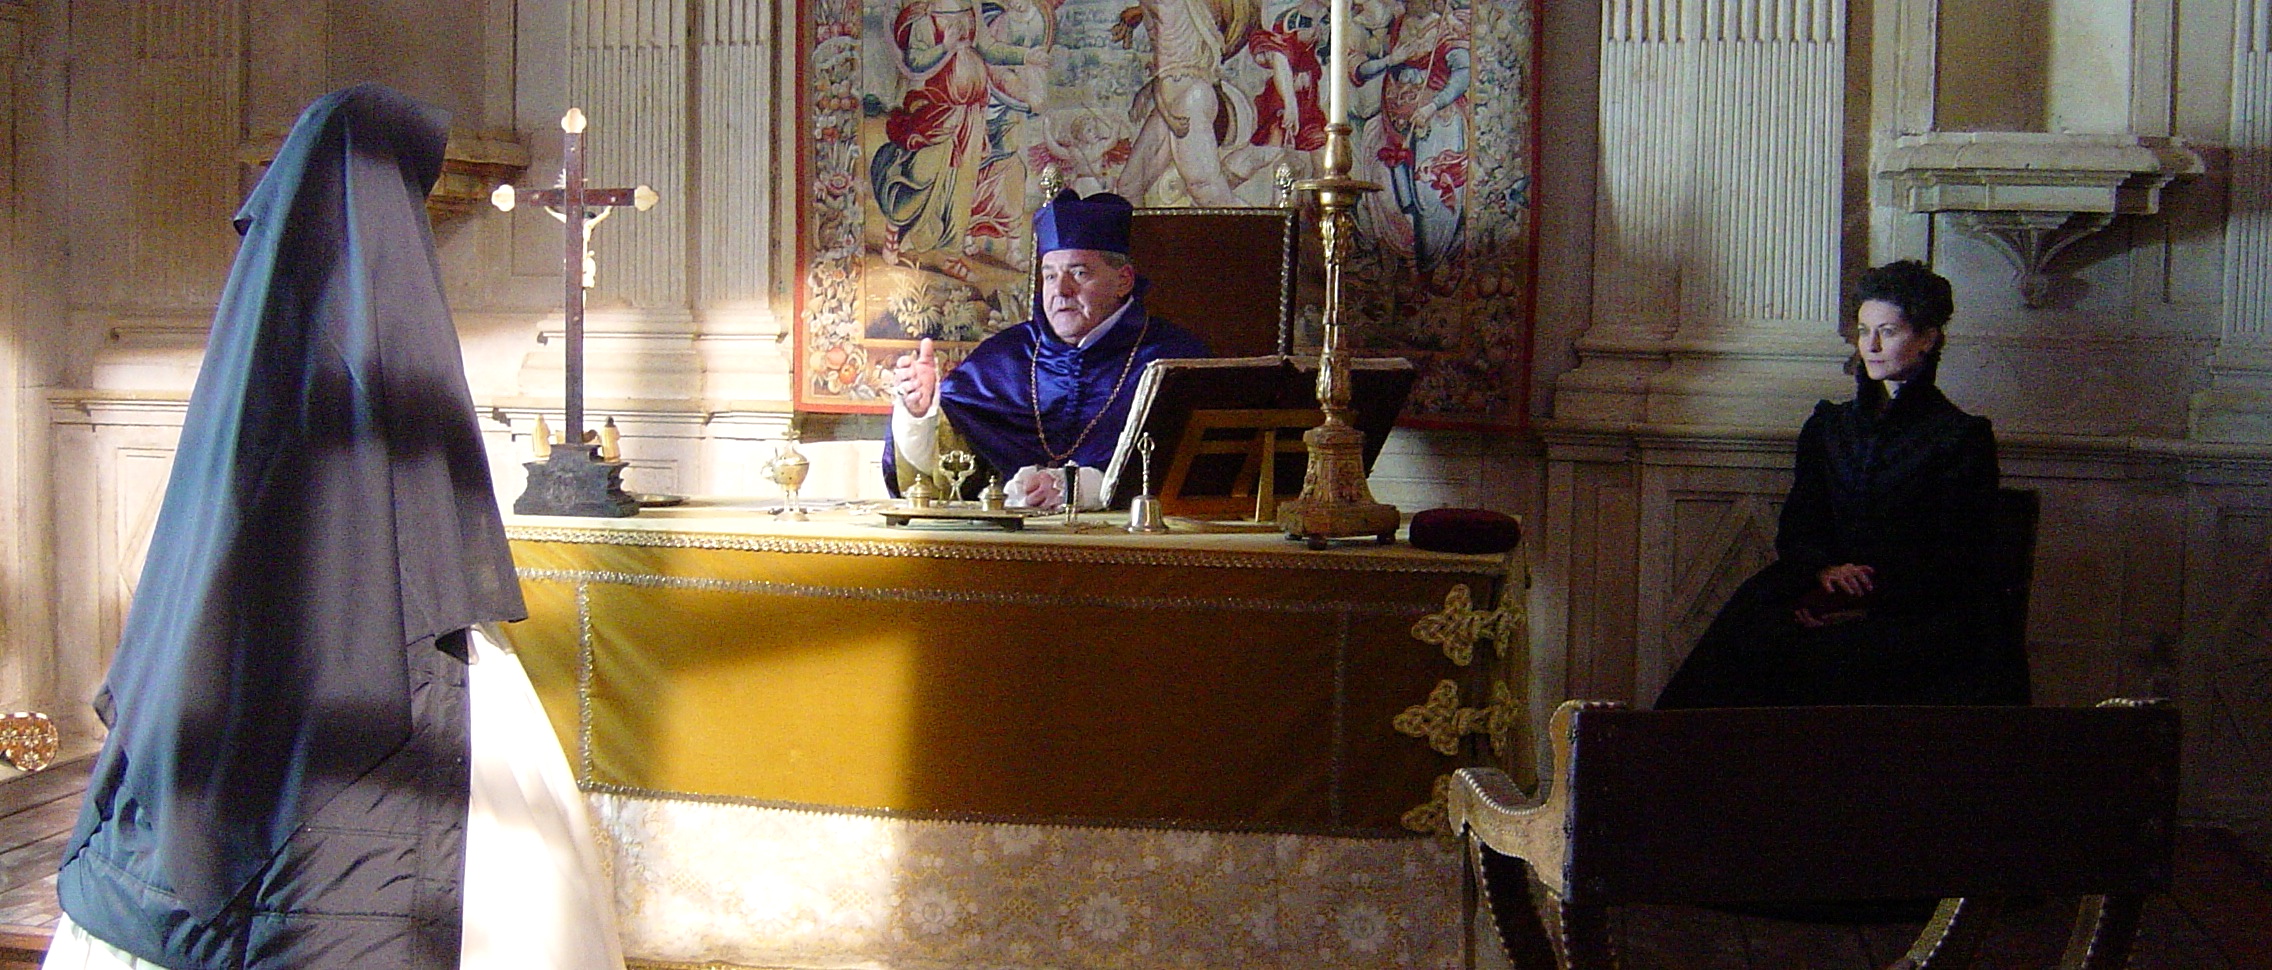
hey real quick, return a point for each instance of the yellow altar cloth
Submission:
(1205, 679)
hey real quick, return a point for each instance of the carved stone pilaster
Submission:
(154, 108)
(686, 312)
(2237, 406)
(627, 69)
(1716, 275)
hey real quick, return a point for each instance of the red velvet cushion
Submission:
(1465, 530)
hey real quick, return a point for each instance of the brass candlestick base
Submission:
(1335, 500)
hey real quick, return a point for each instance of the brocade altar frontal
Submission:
(709, 884)
(1220, 681)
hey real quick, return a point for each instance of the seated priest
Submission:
(1053, 391)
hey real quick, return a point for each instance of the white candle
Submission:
(1337, 98)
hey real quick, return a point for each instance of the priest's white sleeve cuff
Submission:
(916, 437)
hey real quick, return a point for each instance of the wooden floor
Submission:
(36, 813)
(2217, 915)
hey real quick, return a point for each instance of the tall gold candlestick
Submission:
(1336, 502)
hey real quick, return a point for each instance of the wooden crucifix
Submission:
(573, 480)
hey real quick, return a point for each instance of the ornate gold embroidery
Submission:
(1432, 817)
(1116, 553)
(1500, 719)
(1443, 722)
(1438, 720)
(1458, 626)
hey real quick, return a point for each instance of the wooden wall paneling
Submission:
(2226, 657)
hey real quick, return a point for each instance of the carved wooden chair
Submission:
(2012, 549)
(1970, 805)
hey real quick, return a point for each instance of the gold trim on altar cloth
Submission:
(1131, 550)
(890, 595)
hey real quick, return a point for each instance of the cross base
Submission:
(574, 481)
(1335, 501)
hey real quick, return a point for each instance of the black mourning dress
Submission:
(285, 780)
(1907, 487)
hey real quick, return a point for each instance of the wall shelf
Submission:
(473, 164)
(2033, 194)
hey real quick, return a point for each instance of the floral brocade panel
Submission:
(927, 126)
(705, 885)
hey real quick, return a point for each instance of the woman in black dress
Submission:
(1881, 592)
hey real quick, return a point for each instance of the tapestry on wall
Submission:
(927, 126)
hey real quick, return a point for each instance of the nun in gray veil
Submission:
(300, 708)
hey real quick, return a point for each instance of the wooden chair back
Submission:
(1225, 273)
(2013, 549)
(1768, 805)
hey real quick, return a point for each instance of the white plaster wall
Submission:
(2088, 73)
(32, 191)
(17, 491)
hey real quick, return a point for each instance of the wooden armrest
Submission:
(1486, 804)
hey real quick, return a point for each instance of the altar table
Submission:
(1225, 679)
(789, 727)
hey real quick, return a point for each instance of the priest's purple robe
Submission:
(1085, 393)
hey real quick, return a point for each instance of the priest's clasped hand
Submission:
(1035, 487)
(915, 379)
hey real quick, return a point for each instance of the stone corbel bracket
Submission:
(2034, 194)
(473, 164)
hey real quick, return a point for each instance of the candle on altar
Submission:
(1337, 96)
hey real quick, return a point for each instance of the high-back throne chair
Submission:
(1225, 273)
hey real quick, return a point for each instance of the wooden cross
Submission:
(579, 208)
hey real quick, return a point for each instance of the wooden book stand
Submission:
(1968, 805)
(1248, 442)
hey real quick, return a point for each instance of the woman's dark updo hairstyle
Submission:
(1926, 302)
(1925, 299)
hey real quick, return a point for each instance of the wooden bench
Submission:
(1969, 805)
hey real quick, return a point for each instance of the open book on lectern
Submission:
(1211, 418)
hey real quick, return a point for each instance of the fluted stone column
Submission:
(1714, 329)
(745, 118)
(683, 328)
(155, 124)
(1716, 268)
(628, 70)
(2237, 406)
